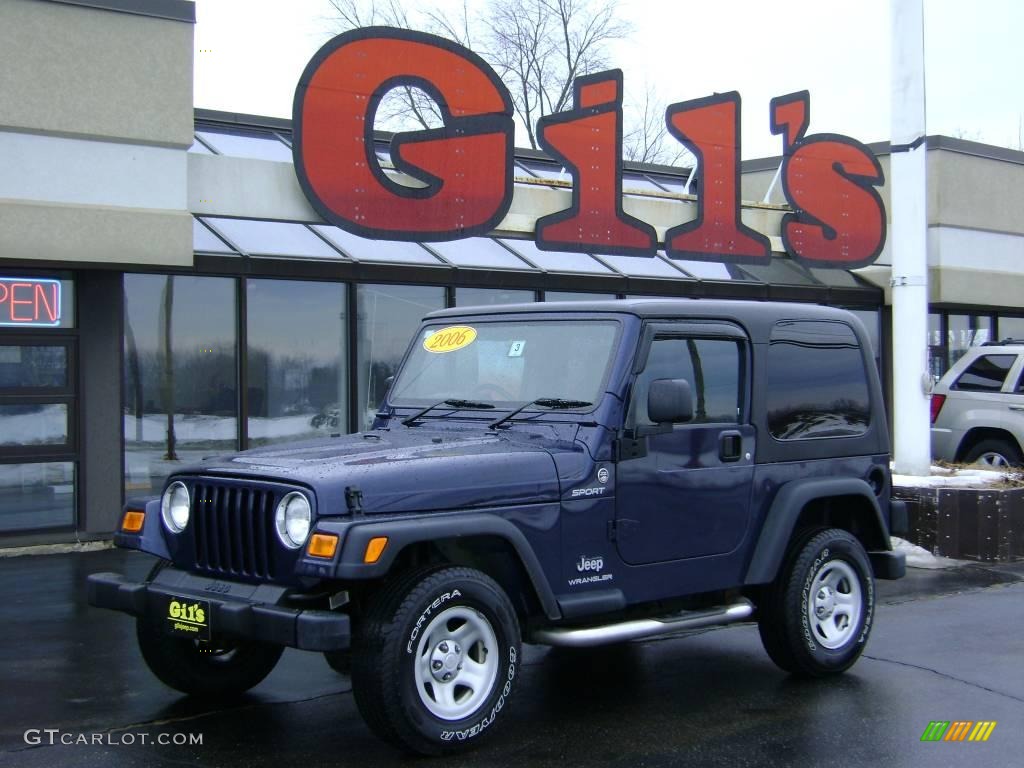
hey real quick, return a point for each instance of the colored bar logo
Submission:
(958, 730)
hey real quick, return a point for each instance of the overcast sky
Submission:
(250, 53)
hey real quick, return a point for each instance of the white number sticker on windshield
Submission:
(516, 350)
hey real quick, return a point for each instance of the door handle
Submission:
(730, 446)
(1017, 407)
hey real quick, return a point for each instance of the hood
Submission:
(409, 470)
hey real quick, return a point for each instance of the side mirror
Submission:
(670, 401)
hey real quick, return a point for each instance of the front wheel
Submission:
(816, 617)
(435, 659)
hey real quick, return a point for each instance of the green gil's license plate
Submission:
(188, 618)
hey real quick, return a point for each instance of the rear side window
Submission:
(817, 383)
(986, 374)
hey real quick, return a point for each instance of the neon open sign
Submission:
(830, 181)
(30, 302)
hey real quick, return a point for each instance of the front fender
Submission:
(151, 538)
(401, 533)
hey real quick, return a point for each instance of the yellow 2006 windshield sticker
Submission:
(450, 339)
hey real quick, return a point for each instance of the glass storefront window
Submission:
(38, 495)
(936, 349)
(966, 331)
(573, 296)
(29, 367)
(387, 316)
(180, 377)
(483, 297)
(26, 425)
(1011, 328)
(297, 378)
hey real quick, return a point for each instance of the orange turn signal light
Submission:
(132, 521)
(375, 549)
(323, 545)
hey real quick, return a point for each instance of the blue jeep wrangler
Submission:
(563, 474)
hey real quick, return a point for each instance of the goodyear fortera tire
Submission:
(816, 618)
(435, 660)
(209, 670)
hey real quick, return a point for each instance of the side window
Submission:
(817, 383)
(986, 374)
(712, 366)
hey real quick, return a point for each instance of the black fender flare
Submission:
(781, 519)
(402, 533)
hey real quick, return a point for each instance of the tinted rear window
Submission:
(817, 383)
(986, 374)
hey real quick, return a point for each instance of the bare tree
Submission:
(537, 47)
(646, 139)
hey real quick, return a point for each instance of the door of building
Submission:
(38, 434)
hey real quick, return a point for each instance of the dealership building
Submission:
(167, 292)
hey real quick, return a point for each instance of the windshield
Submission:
(507, 363)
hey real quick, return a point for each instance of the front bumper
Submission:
(238, 610)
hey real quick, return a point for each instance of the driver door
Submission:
(687, 495)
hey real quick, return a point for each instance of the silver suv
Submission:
(978, 407)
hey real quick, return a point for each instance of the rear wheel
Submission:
(435, 659)
(994, 453)
(815, 619)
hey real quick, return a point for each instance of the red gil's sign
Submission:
(830, 181)
(29, 302)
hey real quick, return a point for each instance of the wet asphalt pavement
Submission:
(946, 646)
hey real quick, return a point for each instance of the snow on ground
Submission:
(946, 477)
(919, 557)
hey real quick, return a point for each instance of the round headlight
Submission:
(174, 507)
(293, 519)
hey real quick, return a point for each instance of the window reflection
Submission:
(388, 315)
(33, 424)
(574, 296)
(179, 374)
(817, 385)
(33, 367)
(1011, 328)
(966, 331)
(37, 495)
(482, 297)
(296, 360)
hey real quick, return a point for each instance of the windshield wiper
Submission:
(547, 402)
(452, 402)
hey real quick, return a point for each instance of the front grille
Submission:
(234, 530)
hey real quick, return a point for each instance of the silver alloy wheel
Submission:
(456, 663)
(992, 459)
(834, 604)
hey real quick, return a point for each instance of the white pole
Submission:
(909, 238)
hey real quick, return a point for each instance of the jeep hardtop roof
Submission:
(757, 317)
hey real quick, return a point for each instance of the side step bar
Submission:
(586, 637)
